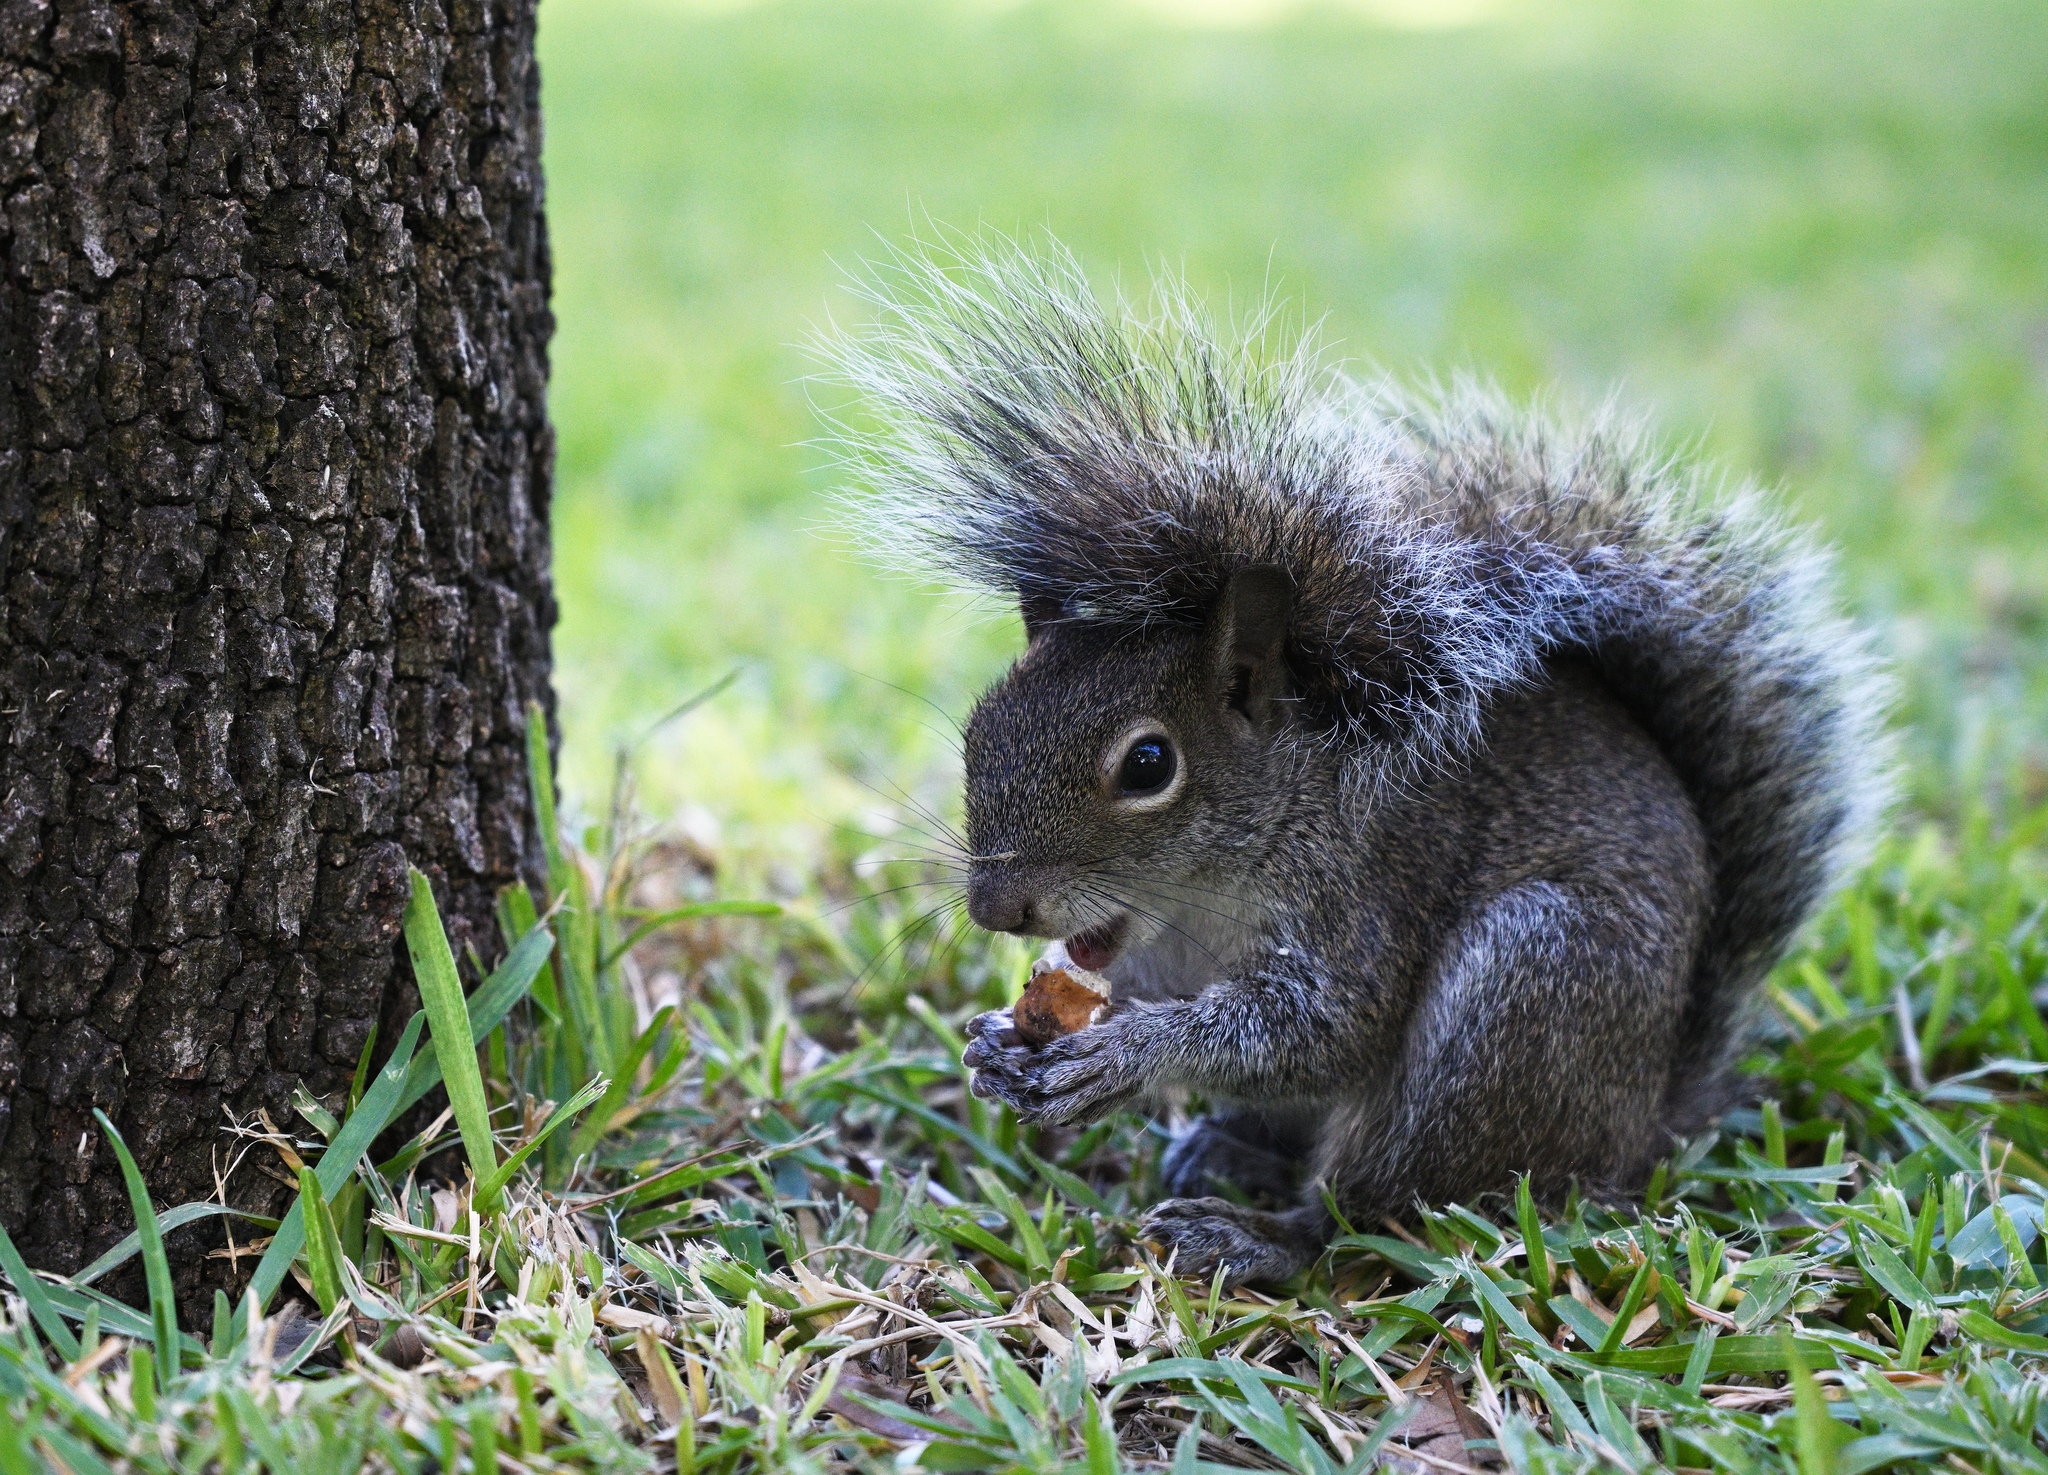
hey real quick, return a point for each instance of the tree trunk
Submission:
(274, 481)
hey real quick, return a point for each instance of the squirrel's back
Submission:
(1443, 550)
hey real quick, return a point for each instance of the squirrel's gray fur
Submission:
(1509, 757)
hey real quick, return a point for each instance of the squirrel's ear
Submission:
(1040, 610)
(1248, 641)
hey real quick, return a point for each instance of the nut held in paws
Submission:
(1058, 1002)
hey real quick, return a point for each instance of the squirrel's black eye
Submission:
(1147, 767)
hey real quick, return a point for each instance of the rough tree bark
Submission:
(274, 480)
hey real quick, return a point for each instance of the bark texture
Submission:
(274, 479)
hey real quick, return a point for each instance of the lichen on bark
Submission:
(274, 480)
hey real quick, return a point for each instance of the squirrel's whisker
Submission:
(956, 737)
(900, 943)
(1167, 892)
(840, 907)
(960, 928)
(1097, 867)
(946, 834)
(1108, 903)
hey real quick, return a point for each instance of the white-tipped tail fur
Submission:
(1122, 465)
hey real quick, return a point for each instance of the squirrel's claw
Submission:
(988, 1034)
(1001, 1075)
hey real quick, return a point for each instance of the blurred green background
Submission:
(1810, 239)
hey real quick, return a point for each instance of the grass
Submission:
(713, 1198)
(711, 1195)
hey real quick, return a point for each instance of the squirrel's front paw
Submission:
(1074, 1079)
(997, 1057)
(1078, 1078)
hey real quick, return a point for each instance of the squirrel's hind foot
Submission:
(1202, 1235)
(1243, 1151)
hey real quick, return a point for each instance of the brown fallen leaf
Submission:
(1470, 1425)
(406, 1348)
(1436, 1430)
(846, 1406)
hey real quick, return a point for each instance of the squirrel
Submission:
(1434, 785)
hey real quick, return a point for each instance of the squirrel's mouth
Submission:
(1095, 948)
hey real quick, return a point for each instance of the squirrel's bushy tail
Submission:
(1717, 626)
(1123, 464)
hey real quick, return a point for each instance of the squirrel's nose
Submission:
(999, 903)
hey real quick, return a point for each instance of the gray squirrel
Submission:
(1434, 786)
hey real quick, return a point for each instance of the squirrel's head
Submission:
(1117, 762)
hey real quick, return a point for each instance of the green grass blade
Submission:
(1590, 1329)
(1496, 1300)
(33, 1291)
(79, 1302)
(594, 1125)
(225, 1328)
(540, 777)
(1076, 1189)
(77, 1456)
(379, 1105)
(169, 1219)
(433, 965)
(559, 1117)
(1564, 1413)
(1816, 1435)
(314, 1343)
(1533, 1252)
(1202, 1367)
(64, 1405)
(2019, 997)
(1985, 1329)
(665, 1069)
(1758, 1352)
(323, 1245)
(517, 920)
(1099, 1439)
(259, 1429)
(1923, 1230)
(361, 1077)
(1367, 1456)
(488, 1006)
(685, 914)
(578, 952)
(986, 1150)
(1630, 1305)
(1701, 1359)
(142, 1381)
(964, 1231)
(1883, 1265)
(163, 1299)
(569, 1038)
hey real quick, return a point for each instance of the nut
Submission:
(1059, 1003)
